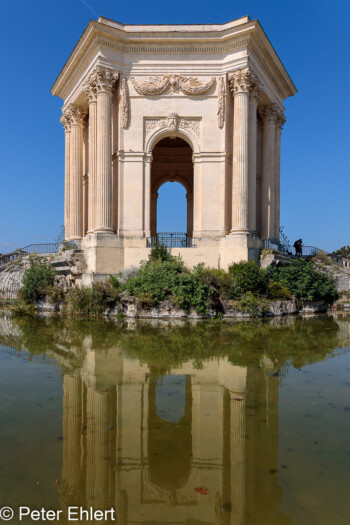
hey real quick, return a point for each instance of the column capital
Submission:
(269, 113)
(73, 116)
(101, 80)
(66, 121)
(244, 81)
(280, 119)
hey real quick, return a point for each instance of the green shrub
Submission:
(85, 301)
(37, 278)
(251, 304)
(305, 280)
(276, 290)
(154, 281)
(55, 294)
(190, 292)
(248, 277)
(158, 280)
(160, 253)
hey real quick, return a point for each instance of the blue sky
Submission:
(312, 39)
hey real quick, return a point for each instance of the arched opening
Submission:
(172, 162)
(172, 208)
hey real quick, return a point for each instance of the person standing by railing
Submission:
(298, 246)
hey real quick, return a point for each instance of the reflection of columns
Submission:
(103, 440)
(147, 194)
(90, 90)
(268, 173)
(281, 119)
(154, 200)
(237, 449)
(66, 122)
(72, 418)
(242, 82)
(105, 82)
(253, 106)
(189, 197)
(76, 173)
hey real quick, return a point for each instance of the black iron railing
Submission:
(288, 249)
(40, 249)
(171, 240)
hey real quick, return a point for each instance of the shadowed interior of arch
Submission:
(172, 187)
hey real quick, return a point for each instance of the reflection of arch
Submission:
(172, 162)
(169, 444)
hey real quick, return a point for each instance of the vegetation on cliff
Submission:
(244, 287)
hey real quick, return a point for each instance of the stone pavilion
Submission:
(201, 105)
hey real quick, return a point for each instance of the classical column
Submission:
(280, 121)
(76, 173)
(105, 81)
(268, 115)
(147, 194)
(90, 91)
(241, 82)
(66, 122)
(253, 115)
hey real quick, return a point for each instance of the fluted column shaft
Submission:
(242, 83)
(76, 175)
(240, 163)
(67, 131)
(268, 174)
(92, 162)
(279, 124)
(253, 106)
(103, 211)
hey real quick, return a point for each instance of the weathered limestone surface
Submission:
(199, 105)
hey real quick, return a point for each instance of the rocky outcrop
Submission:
(69, 266)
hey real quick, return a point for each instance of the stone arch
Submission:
(184, 134)
(172, 161)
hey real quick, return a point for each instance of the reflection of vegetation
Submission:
(296, 341)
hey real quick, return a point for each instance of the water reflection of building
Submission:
(143, 443)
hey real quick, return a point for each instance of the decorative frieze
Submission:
(221, 102)
(124, 104)
(174, 84)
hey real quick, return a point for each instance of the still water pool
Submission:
(177, 423)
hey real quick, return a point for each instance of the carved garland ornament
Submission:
(221, 103)
(125, 103)
(173, 122)
(175, 84)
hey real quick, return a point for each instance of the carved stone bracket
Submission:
(125, 104)
(173, 123)
(221, 103)
(173, 83)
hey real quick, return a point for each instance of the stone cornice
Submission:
(217, 39)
